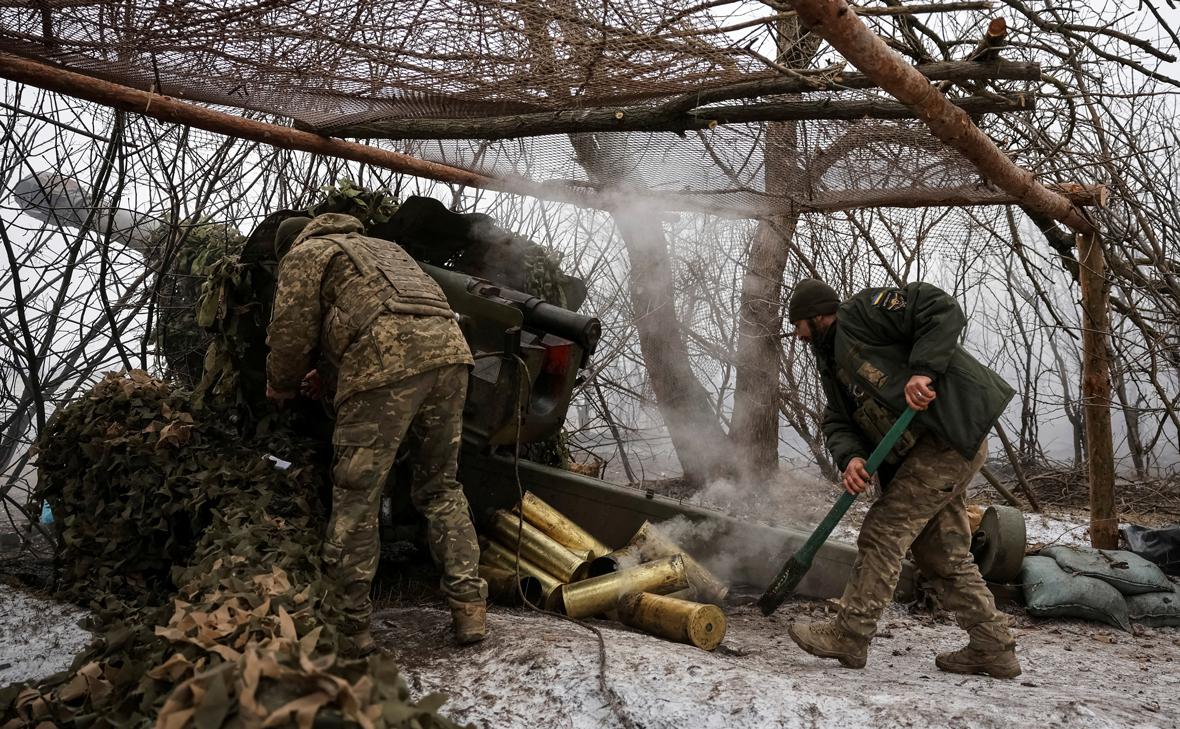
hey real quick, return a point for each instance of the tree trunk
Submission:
(1104, 524)
(754, 429)
(692, 422)
(1139, 455)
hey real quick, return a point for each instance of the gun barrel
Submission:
(585, 331)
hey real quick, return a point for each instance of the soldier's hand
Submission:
(856, 476)
(312, 386)
(919, 393)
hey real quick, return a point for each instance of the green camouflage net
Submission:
(201, 256)
(199, 558)
(371, 207)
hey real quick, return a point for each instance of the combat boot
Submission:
(826, 640)
(994, 662)
(469, 620)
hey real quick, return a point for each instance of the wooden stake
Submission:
(1000, 488)
(1104, 525)
(1014, 459)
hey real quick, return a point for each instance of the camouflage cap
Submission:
(286, 233)
(811, 297)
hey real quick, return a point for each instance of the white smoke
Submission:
(792, 498)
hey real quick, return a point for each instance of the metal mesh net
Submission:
(331, 66)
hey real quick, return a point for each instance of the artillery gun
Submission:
(530, 354)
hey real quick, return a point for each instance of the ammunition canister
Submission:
(506, 589)
(678, 620)
(654, 543)
(558, 527)
(628, 556)
(537, 548)
(498, 555)
(600, 594)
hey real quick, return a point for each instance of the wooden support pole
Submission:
(836, 23)
(1104, 524)
(1000, 488)
(656, 119)
(1014, 459)
(168, 109)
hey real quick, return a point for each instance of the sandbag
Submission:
(1051, 592)
(1161, 546)
(1156, 609)
(1126, 571)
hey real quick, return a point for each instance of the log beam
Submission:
(836, 23)
(656, 119)
(808, 81)
(170, 110)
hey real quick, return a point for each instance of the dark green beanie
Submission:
(286, 234)
(810, 298)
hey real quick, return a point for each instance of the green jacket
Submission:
(885, 336)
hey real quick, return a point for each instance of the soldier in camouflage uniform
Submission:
(878, 352)
(398, 364)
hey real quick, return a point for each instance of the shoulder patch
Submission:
(890, 300)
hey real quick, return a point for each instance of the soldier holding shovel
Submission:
(878, 352)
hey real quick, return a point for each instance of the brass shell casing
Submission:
(679, 620)
(616, 560)
(506, 589)
(559, 527)
(654, 543)
(498, 555)
(598, 595)
(538, 548)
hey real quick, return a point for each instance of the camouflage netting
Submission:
(346, 71)
(200, 560)
(199, 256)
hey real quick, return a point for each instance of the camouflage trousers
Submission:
(426, 411)
(924, 508)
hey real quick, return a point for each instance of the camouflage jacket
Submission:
(372, 327)
(884, 337)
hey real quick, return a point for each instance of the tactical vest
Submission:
(874, 420)
(390, 281)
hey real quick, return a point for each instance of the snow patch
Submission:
(541, 671)
(1044, 530)
(38, 637)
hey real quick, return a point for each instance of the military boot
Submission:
(994, 662)
(826, 640)
(469, 620)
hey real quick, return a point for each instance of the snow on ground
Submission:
(1043, 530)
(542, 671)
(539, 671)
(38, 637)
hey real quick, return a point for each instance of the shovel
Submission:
(792, 573)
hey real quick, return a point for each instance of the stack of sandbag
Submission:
(537, 554)
(1107, 585)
